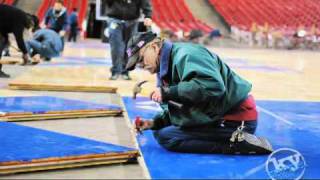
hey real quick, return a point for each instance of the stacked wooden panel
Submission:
(25, 149)
(13, 59)
(46, 107)
(76, 78)
(56, 87)
(79, 78)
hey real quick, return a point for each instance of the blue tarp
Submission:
(286, 124)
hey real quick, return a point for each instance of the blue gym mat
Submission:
(286, 124)
(22, 143)
(43, 104)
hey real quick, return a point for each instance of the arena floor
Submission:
(285, 84)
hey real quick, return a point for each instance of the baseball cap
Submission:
(135, 43)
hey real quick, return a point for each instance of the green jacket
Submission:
(199, 80)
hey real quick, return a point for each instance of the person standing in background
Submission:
(57, 19)
(73, 20)
(123, 18)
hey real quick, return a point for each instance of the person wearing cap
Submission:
(218, 115)
(122, 23)
(73, 21)
(195, 36)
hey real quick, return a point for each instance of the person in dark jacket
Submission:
(218, 115)
(57, 19)
(73, 21)
(16, 21)
(45, 43)
(122, 23)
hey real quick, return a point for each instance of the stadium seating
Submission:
(46, 4)
(175, 15)
(8, 2)
(168, 14)
(277, 13)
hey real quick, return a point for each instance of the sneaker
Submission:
(4, 75)
(47, 59)
(126, 77)
(114, 77)
(6, 53)
(245, 143)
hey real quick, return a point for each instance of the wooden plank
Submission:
(67, 162)
(47, 116)
(92, 111)
(79, 78)
(59, 151)
(67, 166)
(12, 119)
(65, 114)
(14, 60)
(44, 87)
(11, 60)
(61, 86)
(15, 109)
(79, 158)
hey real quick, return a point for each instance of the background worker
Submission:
(16, 21)
(218, 114)
(73, 21)
(45, 44)
(57, 19)
(122, 23)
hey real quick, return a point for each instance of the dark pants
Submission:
(210, 139)
(119, 35)
(73, 33)
(62, 40)
(3, 44)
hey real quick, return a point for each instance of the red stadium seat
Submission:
(46, 4)
(276, 13)
(8, 2)
(175, 15)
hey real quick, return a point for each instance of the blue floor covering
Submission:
(43, 104)
(22, 143)
(287, 124)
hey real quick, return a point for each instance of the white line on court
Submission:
(254, 170)
(275, 116)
